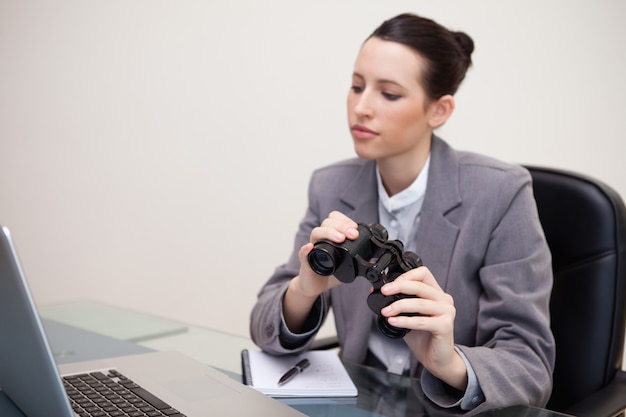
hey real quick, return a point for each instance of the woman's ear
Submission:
(442, 109)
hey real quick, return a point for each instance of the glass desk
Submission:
(81, 331)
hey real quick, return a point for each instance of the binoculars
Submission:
(371, 256)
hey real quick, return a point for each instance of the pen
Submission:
(293, 371)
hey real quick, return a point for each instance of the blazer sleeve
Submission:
(266, 316)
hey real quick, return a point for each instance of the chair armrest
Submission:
(608, 402)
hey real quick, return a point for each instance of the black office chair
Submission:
(585, 225)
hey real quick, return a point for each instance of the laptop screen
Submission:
(27, 368)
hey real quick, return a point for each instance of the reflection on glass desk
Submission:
(111, 321)
(390, 395)
(380, 394)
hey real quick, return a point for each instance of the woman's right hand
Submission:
(304, 289)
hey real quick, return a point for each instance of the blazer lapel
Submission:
(437, 235)
(362, 195)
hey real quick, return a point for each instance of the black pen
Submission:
(293, 371)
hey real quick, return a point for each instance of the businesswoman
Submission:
(481, 338)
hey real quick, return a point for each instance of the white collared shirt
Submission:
(400, 215)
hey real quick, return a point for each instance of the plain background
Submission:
(155, 155)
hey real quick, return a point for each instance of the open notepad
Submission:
(325, 376)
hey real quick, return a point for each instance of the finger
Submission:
(337, 215)
(418, 289)
(327, 233)
(419, 306)
(437, 325)
(304, 251)
(337, 228)
(420, 274)
(433, 317)
(342, 223)
(303, 256)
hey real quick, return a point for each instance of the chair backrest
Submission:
(585, 225)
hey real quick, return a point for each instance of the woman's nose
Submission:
(363, 105)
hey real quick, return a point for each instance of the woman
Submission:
(481, 338)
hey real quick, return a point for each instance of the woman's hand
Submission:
(432, 337)
(304, 289)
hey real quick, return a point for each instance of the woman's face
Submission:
(388, 111)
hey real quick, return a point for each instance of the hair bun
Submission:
(466, 43)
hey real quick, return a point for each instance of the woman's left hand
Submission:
(431, 338)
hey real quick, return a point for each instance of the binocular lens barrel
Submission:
(321, 260)
(390, 331)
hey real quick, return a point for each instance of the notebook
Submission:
(33, 383)
(325, 376)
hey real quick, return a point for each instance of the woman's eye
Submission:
(356, 88)
(390, 96)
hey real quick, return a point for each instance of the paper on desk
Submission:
(325, 377)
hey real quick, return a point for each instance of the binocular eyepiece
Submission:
(371, 256)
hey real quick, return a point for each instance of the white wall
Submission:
(155, 154)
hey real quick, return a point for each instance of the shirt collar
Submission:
(412, 194)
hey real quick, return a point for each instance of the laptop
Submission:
(169, 382)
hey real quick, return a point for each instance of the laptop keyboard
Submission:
(111, 394)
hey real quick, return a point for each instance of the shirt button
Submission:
(394, 223)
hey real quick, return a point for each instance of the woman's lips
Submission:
(361, 132)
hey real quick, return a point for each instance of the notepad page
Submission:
(325, 377)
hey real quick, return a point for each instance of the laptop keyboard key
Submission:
(151, 399)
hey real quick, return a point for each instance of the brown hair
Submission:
(447, 53)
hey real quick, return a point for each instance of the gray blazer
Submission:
(480, 236)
